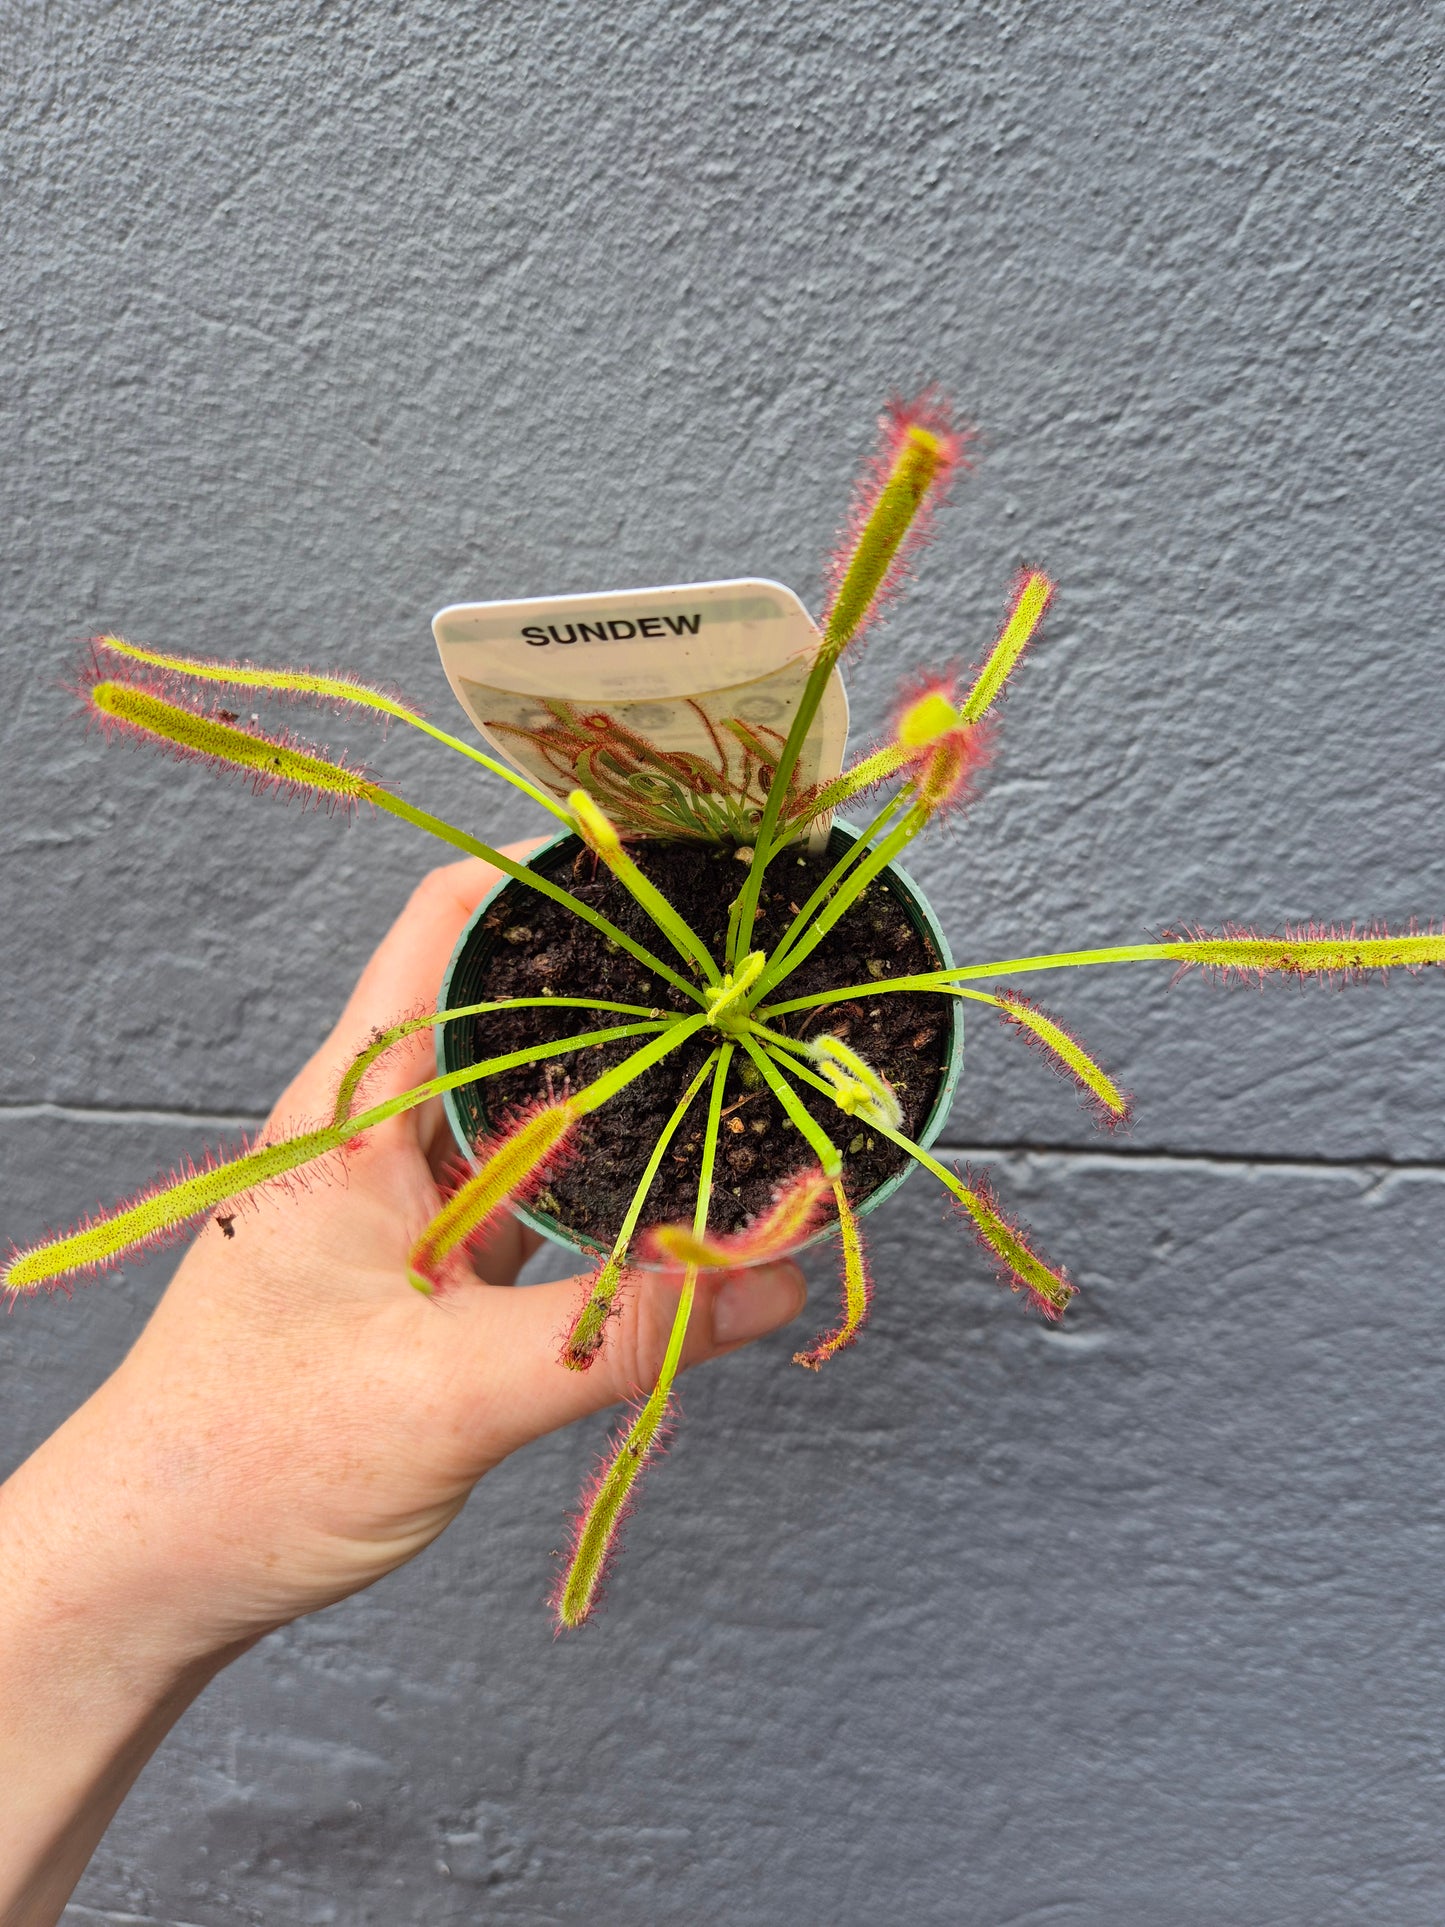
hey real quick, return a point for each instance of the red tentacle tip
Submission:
(838, 1340)
(577, 1350)
(930, 412)
(1103, 1115)
(948, 762)
(593, 1484)
(532, 1171)
(797, 1209)
(1004, 1236)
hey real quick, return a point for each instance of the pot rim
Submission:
(920, 913)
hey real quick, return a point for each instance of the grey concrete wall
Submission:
(317, 317)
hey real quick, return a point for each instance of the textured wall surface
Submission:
(317, 317)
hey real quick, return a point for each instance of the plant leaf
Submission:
(857, 1290)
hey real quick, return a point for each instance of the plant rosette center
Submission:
(729, 1006)
(521, 946)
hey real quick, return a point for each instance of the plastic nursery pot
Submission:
(466, 979)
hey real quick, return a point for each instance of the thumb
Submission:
(535, 1393)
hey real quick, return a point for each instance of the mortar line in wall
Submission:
(1206, 1160)
(139, 1114)
(979, 1148)
(77, 1910)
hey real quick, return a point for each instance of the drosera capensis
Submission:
(731, 992)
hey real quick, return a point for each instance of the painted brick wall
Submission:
(318, 317)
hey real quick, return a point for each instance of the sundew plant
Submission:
(733, 994)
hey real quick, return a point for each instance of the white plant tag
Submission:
(669, 706)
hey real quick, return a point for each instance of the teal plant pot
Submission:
(466, 983)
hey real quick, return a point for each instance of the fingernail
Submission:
(750, 1303)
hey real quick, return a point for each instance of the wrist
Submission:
(108, 1555)
(105, 1644)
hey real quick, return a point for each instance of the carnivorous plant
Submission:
(735, 995)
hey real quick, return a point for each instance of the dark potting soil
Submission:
(542, 948)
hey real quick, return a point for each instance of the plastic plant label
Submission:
(670, 706)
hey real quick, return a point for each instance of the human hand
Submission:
(296, 1420)
(328, 1419)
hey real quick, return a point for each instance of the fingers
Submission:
(503, 1249)
(531, 1392)
(406, 968)
(401, 980)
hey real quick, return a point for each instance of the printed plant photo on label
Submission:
(694, 768)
